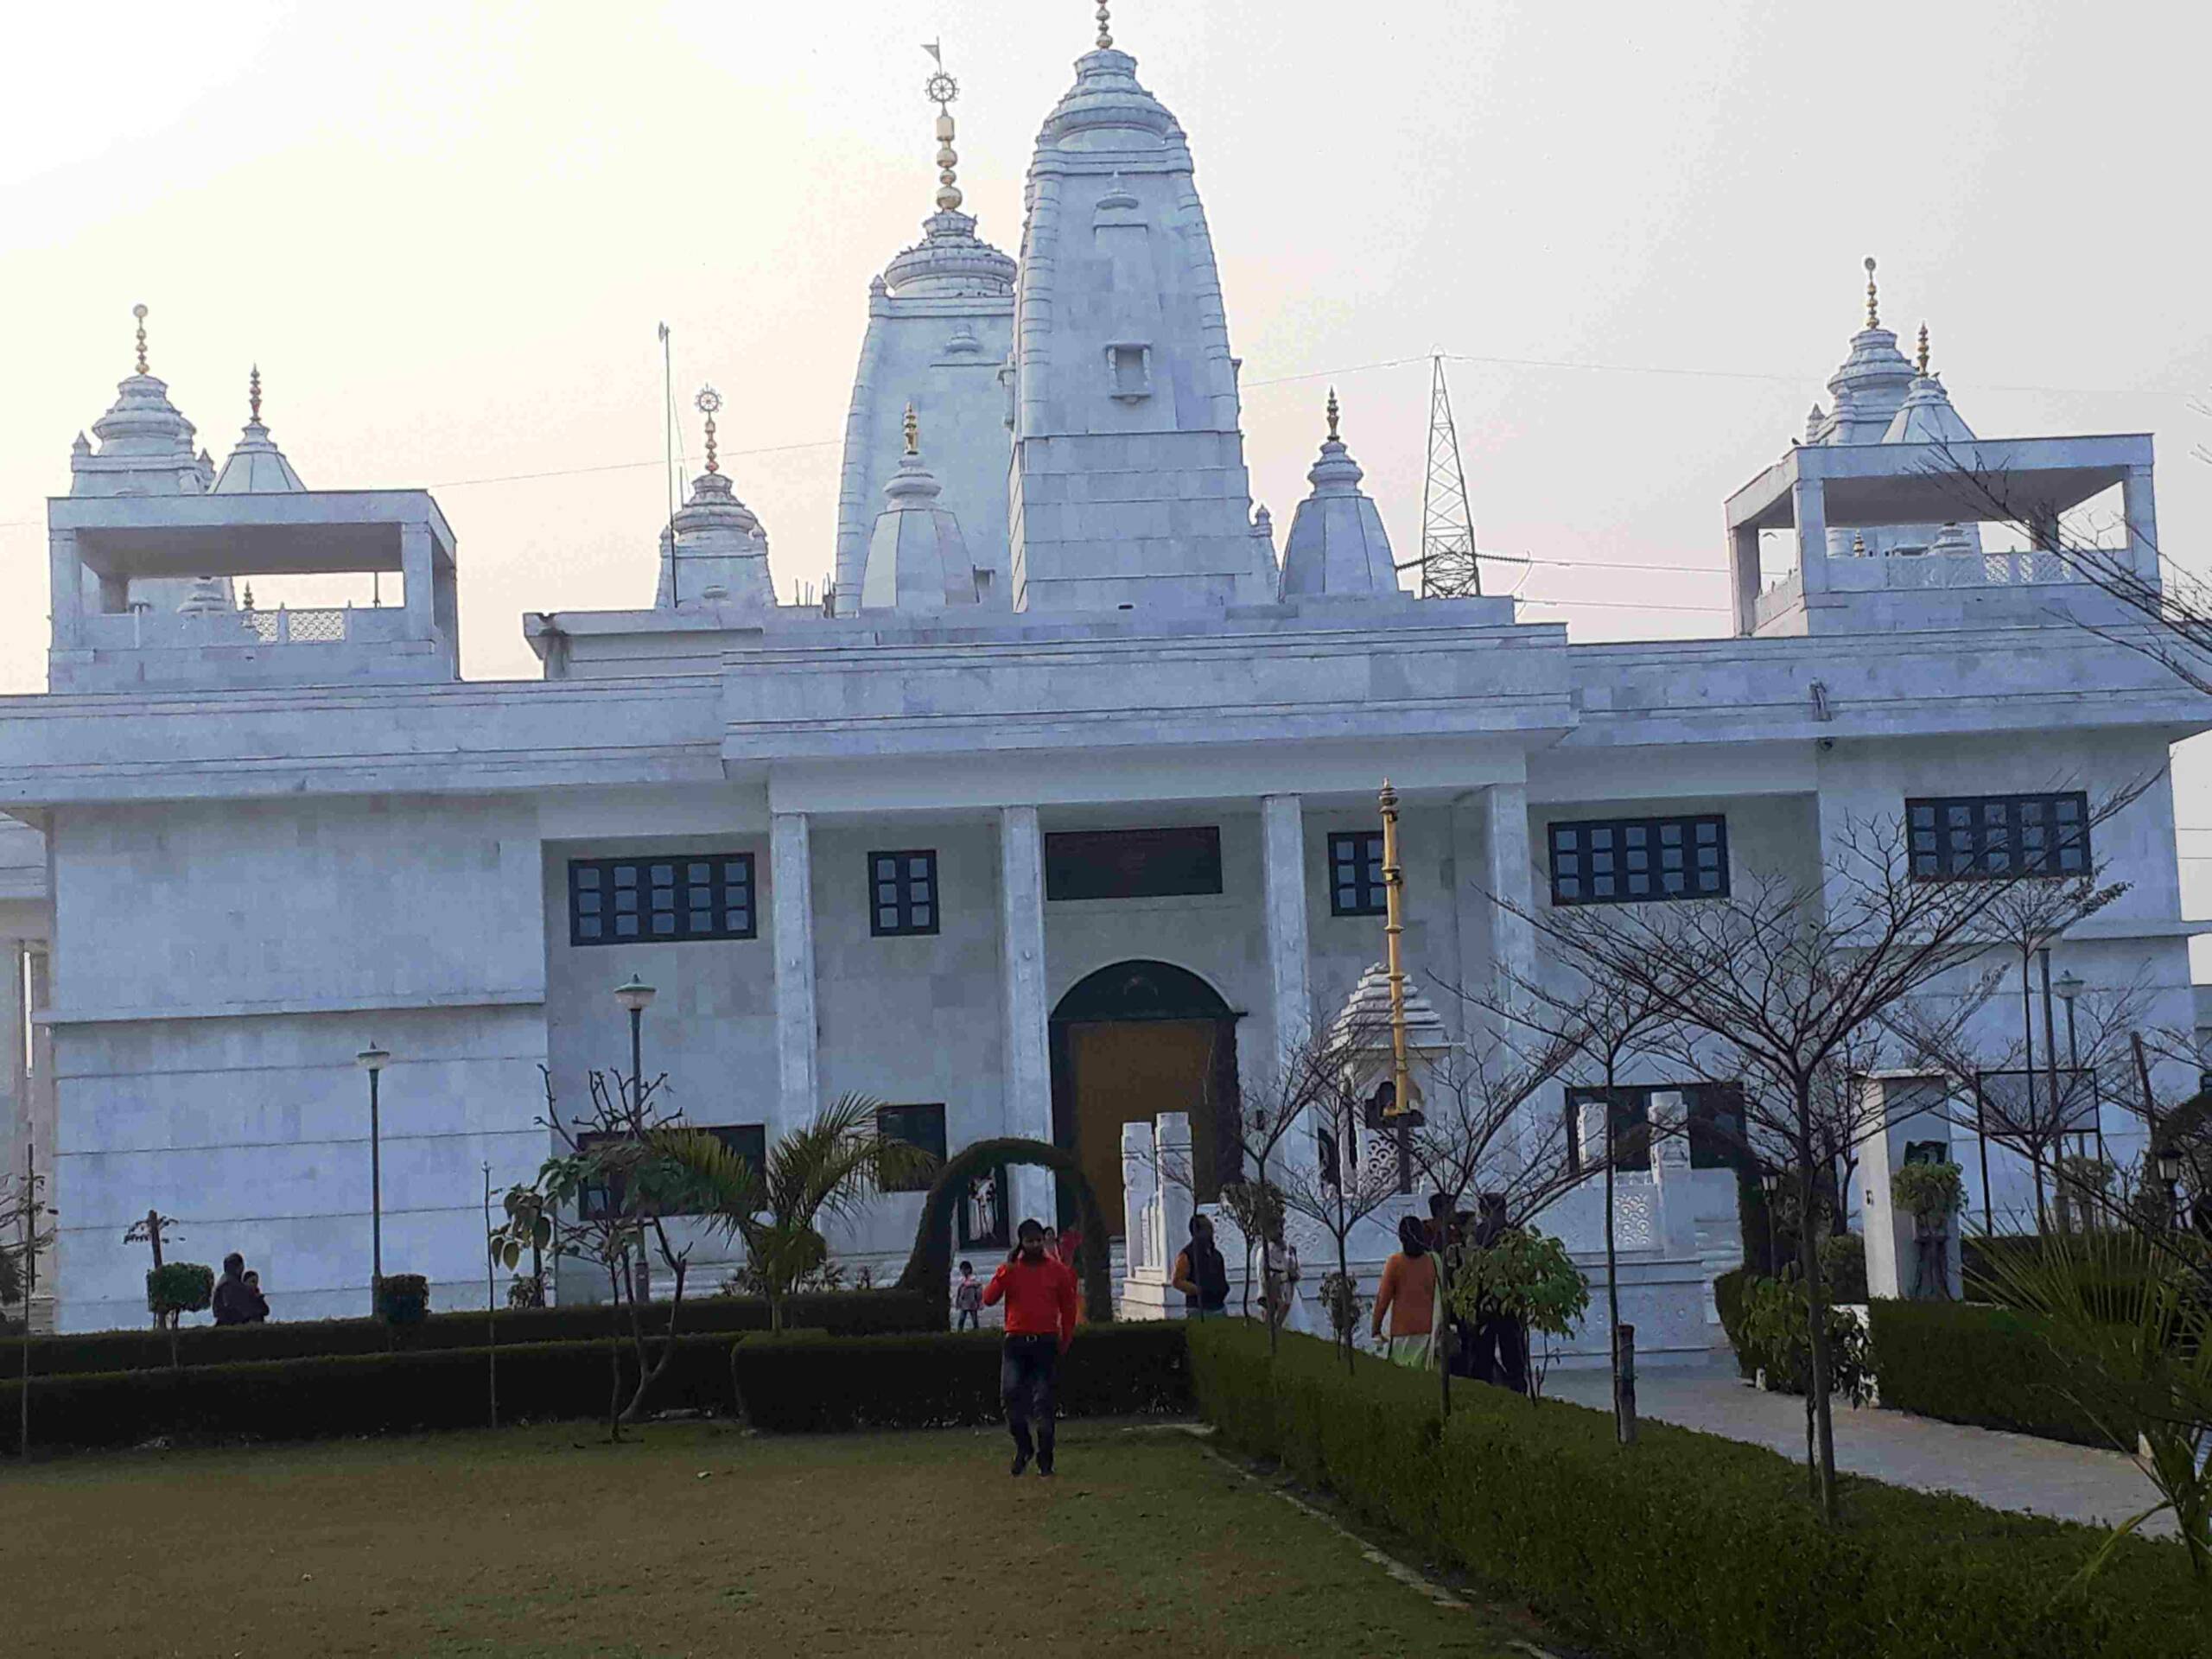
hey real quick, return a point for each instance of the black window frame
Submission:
(1704, 1104)
(596, 886)
(904, 902)
(1572, 843)
(887, 1116)
(1356, 869)
(1957, 837)
(748, 1140)
(1173, 862)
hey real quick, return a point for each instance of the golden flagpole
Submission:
(1393, 882)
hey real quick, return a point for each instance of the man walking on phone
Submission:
(1039, 1291)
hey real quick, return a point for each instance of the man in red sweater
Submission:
(1040, 1316)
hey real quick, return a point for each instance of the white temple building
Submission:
(1057, 819)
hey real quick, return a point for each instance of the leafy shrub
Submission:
(852, 1313)
(1843, 1267)
(403, 1298)
(1965, 1362)
(176, 1287)
(1685, 1544)
(351, 1394)
(1728, 1292)
(1775, 1316)
(803, 1382)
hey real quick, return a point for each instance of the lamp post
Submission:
(2069, 986)
(372, 1061)
(1770, 1185)
(2170, 1174)
(635, 996)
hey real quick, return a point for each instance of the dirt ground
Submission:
(695, 1539)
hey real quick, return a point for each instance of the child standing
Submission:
(968, 1299)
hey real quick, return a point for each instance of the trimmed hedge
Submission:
(1728, 1293)
(1968, 1362)
(354, 1393)
(802, 1383)
(1686, 1544)
(850, 1312)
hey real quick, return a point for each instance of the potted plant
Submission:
(403, 1298)
(175, 1289)
(1931, 1194)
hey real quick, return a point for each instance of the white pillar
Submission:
(1511, 881)
(1140, 1191)
(1744, 566)
(1809, 503)
(417, 578)
(14, 1100)
(2139, 504)
(1028, 1052)
(1676, 1223)
(1282, 837)
(790, 909)
(1177, 1202)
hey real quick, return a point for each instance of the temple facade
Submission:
(1055, 819)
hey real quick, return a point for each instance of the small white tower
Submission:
(257, 466)
(917, 558)
(717, 544)
(1337, 547)
(145, 445)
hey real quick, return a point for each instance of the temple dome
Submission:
(950, 259)
(1106, 109)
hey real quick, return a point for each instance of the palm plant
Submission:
(822, 1171)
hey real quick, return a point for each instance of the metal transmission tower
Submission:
(1449, 567)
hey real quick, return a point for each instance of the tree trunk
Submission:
(1809, 1251)
(1623, 1429)
(615, 1274)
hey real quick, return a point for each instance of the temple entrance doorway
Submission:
(1132, 1041)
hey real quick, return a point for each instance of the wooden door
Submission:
(1131, 1073)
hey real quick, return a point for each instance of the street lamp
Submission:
(635, 996)
(2170, 1174)
(2069, 986)
(1770, 1185)
(373, 1060)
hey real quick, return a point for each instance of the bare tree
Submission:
(1789, 980)
(1475, 1133)
(606, 1198)
(26, 1221)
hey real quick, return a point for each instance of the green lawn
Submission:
(697, 1541)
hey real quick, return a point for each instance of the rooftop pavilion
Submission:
(102, 547)
(1820, 489)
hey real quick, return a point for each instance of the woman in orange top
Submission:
(1408, 1294)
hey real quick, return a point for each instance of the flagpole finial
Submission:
(941, 89)
(1873, 311)
(707, 402)
(1923, 351)
(913, 428)
(1333, 414)
(1105, 27)
(139, 312)
(253, 393)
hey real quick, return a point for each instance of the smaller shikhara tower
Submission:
(1128, 487)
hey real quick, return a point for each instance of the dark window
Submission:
(676, 897)
(917, 1126)
(902, 894)
(1639, 861)
(1133, 863)
(601, 1200)
(1962, 838)
(1716, 1124)
(1355, 874)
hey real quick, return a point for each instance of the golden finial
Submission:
(139, 312)
(1858, 542)
(1105, 27)
(941, 89)
(1923, 351)
(253, 393)
(1332, 433)
(913, 433)
(707, 402)
(1874, 316)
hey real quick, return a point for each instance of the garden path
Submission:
(2005, 1471)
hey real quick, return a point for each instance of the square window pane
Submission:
(922, 914)
(587, 928)
(921, 865)
(740, 921)
(626, 927)
(587, 875)
(702, 921)
(664, 924)
(625, 875)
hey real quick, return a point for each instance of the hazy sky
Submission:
(446, 233)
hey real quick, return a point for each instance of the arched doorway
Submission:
(1132, 1041)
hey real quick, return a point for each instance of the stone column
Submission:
(418, 580)
(1028, 1051)
(1282, 840)
(15, 1101)
(1743, 562)
(1140, 1187)
(791, 902)
(1177, 1204)
(1676, 1224)
(66, 581)
(2139, 504)
(1809, 502)
(1511, 877)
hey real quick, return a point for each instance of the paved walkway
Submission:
(2007, 1472)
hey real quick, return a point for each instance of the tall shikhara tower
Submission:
(1128, 487)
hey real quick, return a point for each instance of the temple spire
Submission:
(707, 402)
(1923, 359)
(253, 394)
(139, 312)
(1873, 311)
(941, 89)
(914, 429)
(1105, 27)
(1333, 414)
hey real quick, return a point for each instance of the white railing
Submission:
(1972, 569)
(284, 626)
